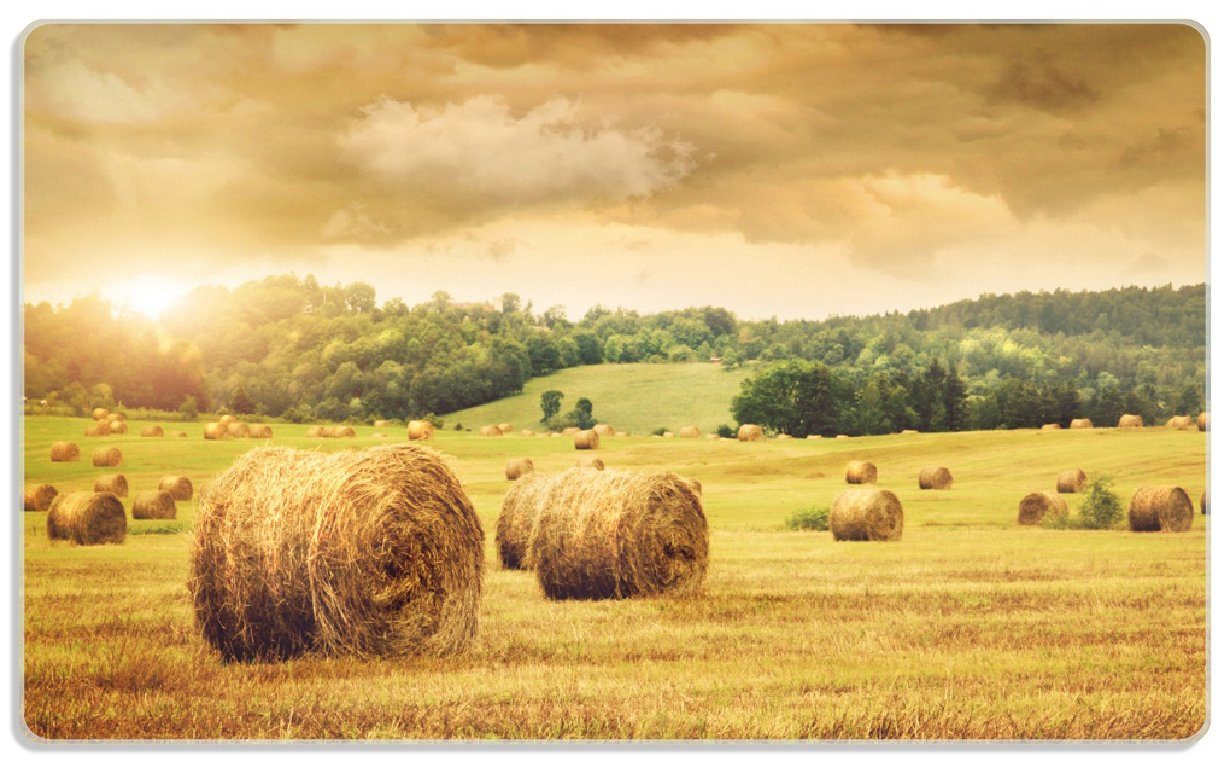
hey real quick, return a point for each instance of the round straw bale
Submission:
(909, 431)
(668, 433)
(179, 487)
(1051, 427)
(238, 429)
(516, 522)
(751, 433)
(215, 431)
(569, 431)
(842, 437)
(515, 468)
(505, 428)
(527, 432)
(312, 431)
(87, 519)
(152, 431)
(690, 430)
(1202, 422)
(621, 434)
(179, 433)
(861, 473)
(1037, 506)
(1179, 422)
(419, 430)
(586, 439)
(374, 551)
(65, 451)
(694, 484)
(713, 436)
(119, 427)
(227, 419)
(100, 414)
(101, 429)
(873, 514)
(1071, 481)
(116, 416)
(116, 484)
(153, 504)
(815, 437)
(591, 462)
(39, 497)
(604, 430)
(1131, 421)
(618, 534)
(260, 431)
(108, 457)
(342, 431)
(784, 436)
(380, 423)
(1081, 424)
(935, 478)
(490, 430)
(1157, 508)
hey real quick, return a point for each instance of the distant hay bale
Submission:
(815, 437)
(935, 478)
(689, 431)
(153, 504)
(65, 451)
(516, 468)
(115, 416)
(115, 484)
(1071, 481)
(312, 431)
(218, 431)
(861, 473)
(569, 431)
(618, 534)
(260, 431)
(751, 433)
(341, 431)
(842, 437)
(359, 552)
(557, 434)
(490, 430)
(527, 432)
(152, 431)
(119, 427)
(87, 519)
(1038, 506)
(621, 434)
(419, 430)
(604, 430)
(668, 433)
(909, 431)
(784, 436)
(505, 428)
(108, 457)
(516, 521)
(713, 436)
(1160, 508)
(38, 497)
(591, 462)
(873, 514)
(380, 423)
(178, 486)
(586, 439)
(1131, 421)
(1081, 424)
(1051, 427)
(227, 419)
(100, 414)
(101, 429)
(238, 429)
(1179, 422)
(1202, 422)
(179, 433)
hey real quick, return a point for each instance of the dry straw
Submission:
(1202, 422)
(119, 426)
(419, 430)
(100, 414)
(695, 485)
(1164, 508)
(238, 429)
(341, 431)
(179, 487)
(1041, 505)
(153, 504)
(1179, 422)
(1071, 481)
(1131, 421)
(516, 468)
(101, 429)
(39, 497)
(490, 430)
(315, 431)
(617, 534)
(117, 416)
(751, 433)
(218, 431)
(152, 431)
(65, 451)
(689, 431)
(108, 457)
(375, 551)
(116, 484)
(784, 436)
(179, 433)
(505, 428)
(668, 433)
(380, 423)
(861, 473)
(1081, 424)
(1051, 427)
(260, 431)
(586, 439)
(87, 519)
(934, 478)
(527, 432)
(516, 522)
(873, 514)
(591, 462)
(604, 430)
(226, 419)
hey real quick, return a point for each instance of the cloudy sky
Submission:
(796, 170)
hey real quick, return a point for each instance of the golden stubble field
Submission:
(970, 627)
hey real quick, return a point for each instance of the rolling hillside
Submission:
(637, 397)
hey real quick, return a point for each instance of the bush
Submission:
(726, 431)
(188, 410)
(658, 431)
(1101, 508)
(809, 519)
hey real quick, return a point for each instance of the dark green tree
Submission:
(550, 402)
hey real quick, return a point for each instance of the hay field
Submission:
(970, 627)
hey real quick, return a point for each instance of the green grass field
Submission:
(970, 627)
(635, 397)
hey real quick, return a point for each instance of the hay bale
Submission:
(179, 487)
(1202, 422)
(179, 433)
(87, 519)
(586, 439)
(119, 427)
(238, 429)
(341, 431)
(1131, 421)
(490, 430)
(153, 504)
(1081, 424)
(107, 457)
(695, 485)
(152, 431)
(527, 432)
(380, 423)
(1160, 508)
(101, 429)
(227, 419)
(312, 431)
(65, 451)
(784, 436)
(1071, 481)
(505, 428)
(668, 433)
(116, 416)
(604, 430)
(419, 430)
(516, 468)
(909, 431)
(689, 431)
(100, 414)
(375, 551)
(861, 473)
(712, 436)
(1051, 427)
(1037, 506)
(935, 478)
(116, 484)
(215, 431)
(569, 431)
(815, 437)
(866, 515)
(39, 497)
(260, 431)
(516, 522)
(842, 437)
(618, 534)
(1179, 422)
(621, 434)
(591, 462)
(751, 433)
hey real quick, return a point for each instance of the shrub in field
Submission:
(1101, 508)
(659, 431)
(725, 431)
(815, 518)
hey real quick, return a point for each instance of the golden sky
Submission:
(796, 170)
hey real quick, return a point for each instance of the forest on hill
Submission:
(289, 347)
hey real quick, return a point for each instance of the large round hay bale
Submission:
(591, 462)
(1071, 481)
(618, 534)
(227, 419)
(1051, 427)
(260, 431)
(419, 430)
(115, 416)
(527, 432)
(375, 551)
(215, 431)
(586, 439)
(516, 468)
(516, 523)
(152, 431)
(178, 486)
(101, 429)
(1131, 421)
(1081, 424)
(108, 457)
(38, 497)
(751, 433)
(1202, 422)
(873, 514)
(119, 427)
(604, 430)
(341, 431)
(153, 504)
(238, 429)
(1038, 506)
(490, 430)
(689, 431)
(100, 414)
(65, 451)
(87, 519)
(505, 428)
(313, 431)
(1179, 422)
(1160, 508)
(934, 478)
(695, 485)
(116, 484)
(861, 473)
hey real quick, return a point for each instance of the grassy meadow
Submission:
(970, 627)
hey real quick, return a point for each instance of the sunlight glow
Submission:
(149, 295)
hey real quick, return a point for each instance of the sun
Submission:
(150, 295)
